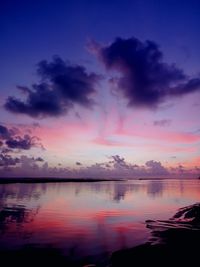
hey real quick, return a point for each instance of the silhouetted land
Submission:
(8, 180)
(175, 242)
(52, 180)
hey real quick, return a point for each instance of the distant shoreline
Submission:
(52, 180)
(13, 180)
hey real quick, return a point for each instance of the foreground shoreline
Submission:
(174, 242)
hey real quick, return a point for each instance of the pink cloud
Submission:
(152, 133)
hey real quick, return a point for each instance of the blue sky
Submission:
(32, 31)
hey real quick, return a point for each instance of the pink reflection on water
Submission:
(88, 218)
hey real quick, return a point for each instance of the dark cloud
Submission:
(39, 159)
(117, 167)
(62, 86)
(4, 132)
(18, 142)
(155, 167)
(5, 150)
(145, 80)
(162, 123)
(7, 160)
(10, 139)
(119, 161)
(23, 161)
(78, 163)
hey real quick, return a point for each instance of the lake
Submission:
(85, 222)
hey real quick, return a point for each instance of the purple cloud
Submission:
(18, 142)
(4, 133)
(155, 167)
(117, 167)
(145, 79)
(7, 160)
(62, 86)
(10, 139)
(39, 159)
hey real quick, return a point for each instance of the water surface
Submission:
(88, 220)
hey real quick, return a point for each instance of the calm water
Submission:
(88, 220)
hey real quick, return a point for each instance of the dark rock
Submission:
(174, 242)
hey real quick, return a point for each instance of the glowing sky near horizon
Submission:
(125, 111)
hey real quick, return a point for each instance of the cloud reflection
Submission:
(87, 220)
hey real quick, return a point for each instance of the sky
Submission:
(99, 88)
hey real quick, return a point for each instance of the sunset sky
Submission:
(100, 88)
